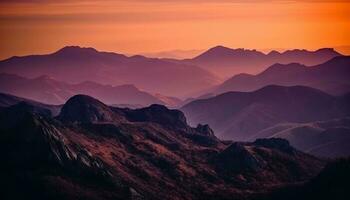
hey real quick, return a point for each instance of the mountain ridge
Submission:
(330, 77)
(239, 115)
(51, 91)
(137, 158)
(225, 62)
(88, 64)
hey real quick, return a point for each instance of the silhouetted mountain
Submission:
(240, 115)
(92, 151)
(85, 109)
(75, 65)
(331, 183)
(322, 138)
(48, 90)
(226, 62)
(331, 77)
(7, 100)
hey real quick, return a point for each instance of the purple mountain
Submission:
(226, 62)
(331, 77)
(48, 90)
(242, 115)
(74, 65)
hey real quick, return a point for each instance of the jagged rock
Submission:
(149, 153)
(159, 114)
(205, 130)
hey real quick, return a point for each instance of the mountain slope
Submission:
(331, 183)
(239, 115)
(331, 77)
(322, 138)
(7, 100)
(75, 65)
(149, 153)
(226, 62)
(48, 90)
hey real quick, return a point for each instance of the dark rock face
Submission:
(275, 143)
(159, 114)
(237, 158)
(115, 153)
(85, 109)
(205, 130)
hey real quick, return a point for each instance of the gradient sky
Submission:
(135, 26)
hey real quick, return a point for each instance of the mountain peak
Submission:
(274, 53)
(160, 114)
(85, 109)
(327, 50)
(75, 50)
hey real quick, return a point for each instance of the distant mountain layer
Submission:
(51, 91)
(75, 65)
(226, 62)
(331, 77)
(322, 138)
(93, 151)
(7, 100)
(241, 115)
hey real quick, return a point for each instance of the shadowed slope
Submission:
(239, 115)
(150, 153)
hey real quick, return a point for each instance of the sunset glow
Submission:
(141, 26)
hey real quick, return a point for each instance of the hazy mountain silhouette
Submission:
(74, 65)
(322, 138)
(240, 115)
(226, 62)
(7, 100)
(331, 77)
(92, 151)
(48, 90)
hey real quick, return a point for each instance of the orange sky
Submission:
(134, 26)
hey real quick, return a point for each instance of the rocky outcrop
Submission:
(92, 151)
(85, 109)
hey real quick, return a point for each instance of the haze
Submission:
(140, 26)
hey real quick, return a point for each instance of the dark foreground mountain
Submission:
(242, 115)
(92, 151)
(331, 183)
(331, 77)
(226, 62)
(48, 90)
(76, 65)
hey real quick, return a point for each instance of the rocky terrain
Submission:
(93, 151)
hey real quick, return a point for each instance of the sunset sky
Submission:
(137, 26)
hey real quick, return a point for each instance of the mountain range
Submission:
(50, 91)
(242, 115)
(85, 124)
(74, 64)
(93, 151)
(328, 138)
(7, 100)
(226, 62)
(331, 77)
